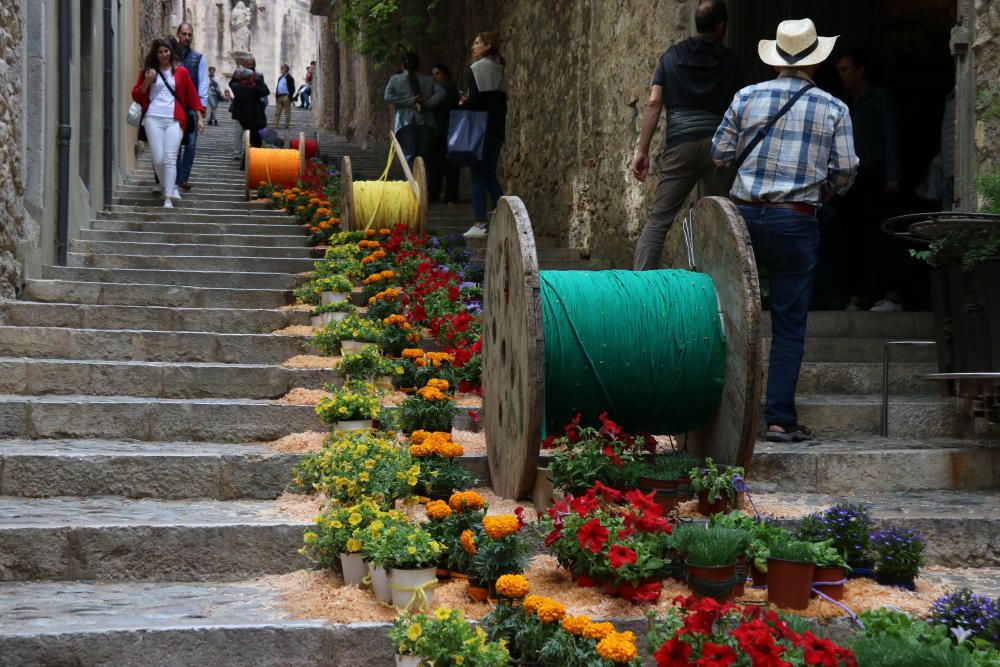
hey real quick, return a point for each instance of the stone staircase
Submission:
(137, 516)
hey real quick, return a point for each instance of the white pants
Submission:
(165, 137)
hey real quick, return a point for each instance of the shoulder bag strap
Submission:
(764, 131)
(172, 91)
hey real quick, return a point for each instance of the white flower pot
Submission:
(407, 660)
(353, 425)
(404, 585)
(335, 316)
(354, 569)
(318, 321)
(380, 583)
(352, 346)
(384, 382)
(327, 298)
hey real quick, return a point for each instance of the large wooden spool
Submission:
(249, 187)
(514, 350)
(418, 183)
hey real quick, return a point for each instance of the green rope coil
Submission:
(646, 346)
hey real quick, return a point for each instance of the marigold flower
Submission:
(575, 625)
(598, 630)
(369, 232)
(432, 394)
(512, 586)
(551, 611)
(533, 602)
(438, 383)
(399, 321)
(420, 450)
(499, 527)
(438, 509)
(418, 436)
(465, 500)
(384, 232)
(468, 542)
(618, 647)
(413, 353)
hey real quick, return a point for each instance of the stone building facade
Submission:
(15, 227)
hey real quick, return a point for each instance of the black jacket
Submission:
(247, 108)
(291, 85)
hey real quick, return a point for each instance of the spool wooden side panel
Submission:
(246, 165)
(513, 351)
(346, 195)
(420, 175)
(722, 249)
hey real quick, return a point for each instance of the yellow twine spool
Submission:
(383, 204)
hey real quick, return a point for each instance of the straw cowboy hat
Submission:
(797, 45)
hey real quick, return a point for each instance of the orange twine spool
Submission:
(276, 166)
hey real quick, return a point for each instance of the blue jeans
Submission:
(185, 158)
(786, 243)
(483, 177)
(305, 95)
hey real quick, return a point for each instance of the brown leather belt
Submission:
(797, 206)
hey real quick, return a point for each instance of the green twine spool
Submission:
(646, 346)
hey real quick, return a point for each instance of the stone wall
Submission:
(13, 221)
(155, 21)
(987, 63)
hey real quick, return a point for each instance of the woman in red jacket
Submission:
(165, 91)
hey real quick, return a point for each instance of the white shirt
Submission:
(161, 100)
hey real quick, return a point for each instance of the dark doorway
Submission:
(907, 47)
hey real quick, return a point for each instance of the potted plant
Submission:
(408, 638)
(448, 521)
(710, 556)
(439, 475)
(396, 334)
(333, 288)
(431, 408)
(850, 527)
(585, 455)
(322, 315)
(790, 570)
(352, 330)
(369, 365)
(715, 487)
(899, 556)
(378, 549)
(665, 474)
(831, 570)
(444, 638)
(352, 407)
(500, 550)
(413, 567)
(384, 303)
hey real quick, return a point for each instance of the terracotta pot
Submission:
(789, 583)
(713, 576)
(477, 591)
(741, 572)
(443, 574)
(459, 576)
(706, 508)
(759, 576)
(834, 591)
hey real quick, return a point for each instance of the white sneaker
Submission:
(476, 231)
(176, 194)
(167, 203)
(887, 306)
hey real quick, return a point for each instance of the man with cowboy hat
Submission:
(793, 147)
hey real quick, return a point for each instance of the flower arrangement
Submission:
(367, 365)
(446, 638)
(355, 466)
(440, 476)
(339, 529)
(430, 409)
(585, 455)
(378, 540)
(396, 334)
(963, 610)
(716, 483)
(339, 307)
(352, 401)
(333, 283)
(385, 303)
(411, 547)
(327, 340)
(454, 525)
(702, 631)
(499, 549)
(848, 525)
(899, 554)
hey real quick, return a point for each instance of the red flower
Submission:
(551, 538)
(583, 581)
(816, 651)
(585, 504)
(625, 533)
(572, 429)
(609, 429)
(519, 513)
(700, 623)
(673, 653)
(610, 453)
(644, 502)
(715, 655)
(647, 592)
(620, 555)
(592, 536)
(609, 494)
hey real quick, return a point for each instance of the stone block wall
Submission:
(13, 221)
(987, 54)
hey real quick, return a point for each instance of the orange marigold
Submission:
(466, 500)
(598, 630)
(618, 647)
(468, 542)
(438, 509)
(384, 232)
(399, 321)
(432, 394)
(512, 586)
(438, 383)
(418, 436)
(369, 232)
(575, 625)
(420, 450)
(413, 353)
(533, 602)
(551, 611)
(499, 527)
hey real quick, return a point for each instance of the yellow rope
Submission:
(384, 203)
(420, 593)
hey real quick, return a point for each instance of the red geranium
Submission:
(620, 555)
(716, 655)
(592, 536)
(673, 653)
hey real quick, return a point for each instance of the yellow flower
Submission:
(442, 613)
(533, 602)
(411, 480)
(414, 631)
(468, 542)
(438, 509)
(458, 659)
(512, 586)
(337, 525)
(575, 625)
(499, 527)
(354, 519)
(310, 537)
(411, 549)
(551, 611)
(363, 476)
(618, 647)
(598, 630)
(353, 545)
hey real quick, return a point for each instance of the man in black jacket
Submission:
(696, 80)
(248, 89)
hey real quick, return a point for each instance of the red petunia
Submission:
(816, 651)
(585, 504)
(610, 453)
(609, 494)
(673, 653)
(648, 592)
(592, 536)
(609, 429)
(715, 655)
(644, 502)
(620, 555)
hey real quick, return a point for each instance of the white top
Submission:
(161, 100)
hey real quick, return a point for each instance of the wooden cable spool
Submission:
(418, 183)
(285, 178)
(514, 350)
(311, 145)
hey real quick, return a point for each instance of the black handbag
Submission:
(190, 115)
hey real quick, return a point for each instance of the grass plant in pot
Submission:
(352, 407)
(715, 487)
(899, 556)
(710, 556)
(790, 568)
(664, 474)
(763, 532)
(831, 570)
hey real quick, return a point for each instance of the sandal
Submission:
(789, 433)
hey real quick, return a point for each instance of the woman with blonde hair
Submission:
(487, 92)
(166, 93)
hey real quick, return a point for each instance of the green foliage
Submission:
(669, 467)
(894, 639)
(988, 187)
(446, 638)
(793, 550)
(717, 481)
(351, 402)
(442, 477)
(708, 547)
(375, 27)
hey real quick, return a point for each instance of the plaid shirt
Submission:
(809, 150)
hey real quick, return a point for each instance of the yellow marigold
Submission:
(618, 647)
(465, 500)
(449, 450)
(420, 363)
(598, 630)
(512, 586)
(432, 394)
(369, 232)
(420, 450)
(533, 602)
(413, 353)
(438, 509)
(551, 611)
(468, 542)
(438, 383)
(575, 625)
(499, 527)
(437, 358)
(418, 436)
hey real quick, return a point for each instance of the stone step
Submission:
(160, 214)
(247, 229)
(132, 469)
(112, 417)
(250, 281)
(174, 624)
(960, 526)
(832, 416)
(181, 296)
(144, 345)
(157, 318)
(545, 264)
(193, 263)
(117, 539)
(145, 191)
(27, 376)
(843, 324)
(817, 377)
(299, 251)
(875, 464)
(150, 200)
(857, 350)
(291, 240)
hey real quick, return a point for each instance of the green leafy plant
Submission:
(763, 533)
(367, 364)
(327, 340)
(429, 409)
(413, 548)
(378, 543)
(793, 550)
(501, 549)
(718, 482)
(333, 283)
(669, 467)
(893, 638)
(827, 555)
(339, 307)
(446, 638)
(340, 529)
(712, 547)
(376, 27)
